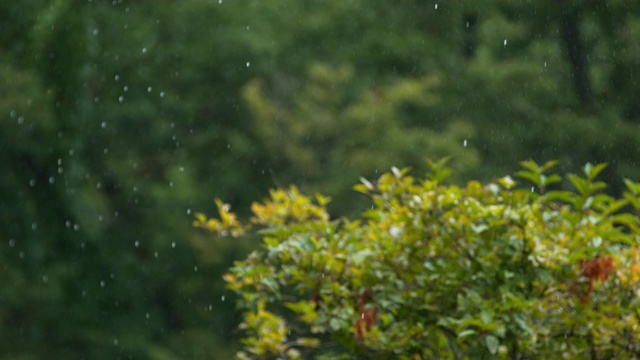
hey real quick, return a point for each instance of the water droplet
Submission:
(102, 284)
(32, 182)
(161, 93)
(117, 77)
(149, 89)
(195, 268)
(436, 6)
(170, 183)
(222, 297)
(146, 315)
(121, 98)
(219, 1)
(144, 50)
(12, 243)
(51, 180)
(45, 278)
(248, 64)
(188, 211)
(173, 244)
(545, 64)
(104, 125)
(465, 143)
(76, 227)
(137, 243)
(95, 31)
(505, 42)
(20, 120)
(155, 254)
(126, 88)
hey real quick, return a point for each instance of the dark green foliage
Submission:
(120, 119)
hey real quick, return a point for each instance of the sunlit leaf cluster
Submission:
(442, 271)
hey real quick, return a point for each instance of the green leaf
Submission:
(463, 334)
(492, 344)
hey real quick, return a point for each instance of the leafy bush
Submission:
(442, 271)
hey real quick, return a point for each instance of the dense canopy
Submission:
(121, 119)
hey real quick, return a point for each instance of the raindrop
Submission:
(104, 124)
(248, 64)
(465, 143)
(222, 297)
(146, 315)
(45, 278)
(195, 268)
(12, 243)
(173, 244)
(106, 150)
(102, 283)
(149, 89)
(121, 98)
(51, 180)
(545, 64)
(82, 245)
(67, 224)
(170, 183)
(76, 227)
(21, 254)
(505, 42)
(144, 50)
(115, 342)
(436, 6)
(117, 77)
(219, 1)
(32, 182)
(181, 168)
(188, 211)
(95, 31)
(98, 185)
(20, 120)
(126, 88)
(155, 254)
(161, 93)
(137, 243)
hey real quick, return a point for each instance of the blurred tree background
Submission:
(120, 119)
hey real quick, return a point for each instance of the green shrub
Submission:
(442, 271)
